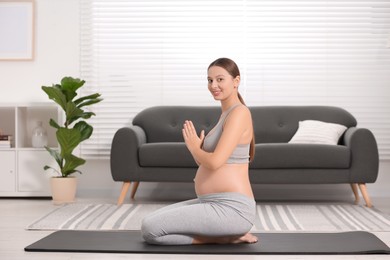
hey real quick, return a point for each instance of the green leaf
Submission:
(71, 163)
(90, 102)
(56, 155)
(73, 113)
(89, 97)
(85, 130)
(48, 167)
(54, 123)
(70, 86)
(68, 140)
(56, 94)
(87, 115)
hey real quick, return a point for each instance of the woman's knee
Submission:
(240, 227)
(148, 230)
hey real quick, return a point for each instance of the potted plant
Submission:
(70, 134)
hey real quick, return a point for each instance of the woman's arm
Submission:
(237, 129)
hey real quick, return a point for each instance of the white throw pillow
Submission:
(318, 132)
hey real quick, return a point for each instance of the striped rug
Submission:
(270, 217)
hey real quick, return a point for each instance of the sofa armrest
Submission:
(124, 153)
(364, 155)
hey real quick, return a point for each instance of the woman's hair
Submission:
(231, 67)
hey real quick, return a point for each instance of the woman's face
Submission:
(221, 84)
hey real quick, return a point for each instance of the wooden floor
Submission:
(16, 214)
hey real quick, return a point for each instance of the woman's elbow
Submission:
(214, 165)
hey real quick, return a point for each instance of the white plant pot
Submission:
(63, 190)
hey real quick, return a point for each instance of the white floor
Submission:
(16, 214)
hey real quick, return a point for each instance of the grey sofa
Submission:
(152, 148)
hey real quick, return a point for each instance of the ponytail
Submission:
(241, 99)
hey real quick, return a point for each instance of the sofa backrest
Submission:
(165, 123)
(272, 124)
(278, 124)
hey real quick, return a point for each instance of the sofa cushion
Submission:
(169, 154)
(318, 132)
(301, 156)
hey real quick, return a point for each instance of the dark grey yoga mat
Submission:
(357, 242)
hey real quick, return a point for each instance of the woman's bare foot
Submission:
(247, 238)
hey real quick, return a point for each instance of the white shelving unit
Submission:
(21, 165)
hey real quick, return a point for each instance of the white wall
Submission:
(57, 55)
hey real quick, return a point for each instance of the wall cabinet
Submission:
(21, 165)
(7, 171)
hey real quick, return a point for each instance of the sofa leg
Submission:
(355, 190)
(363, 190)
(134, 190)
(125, 188)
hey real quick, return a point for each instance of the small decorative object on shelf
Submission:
(5, 140)
(39, 136)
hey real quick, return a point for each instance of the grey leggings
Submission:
(211, 215)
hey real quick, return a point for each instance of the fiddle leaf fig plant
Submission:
(75, 129)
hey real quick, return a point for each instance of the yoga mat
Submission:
(356, 242)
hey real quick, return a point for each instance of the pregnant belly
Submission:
(228, 178)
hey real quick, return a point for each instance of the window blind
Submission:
(145, 53)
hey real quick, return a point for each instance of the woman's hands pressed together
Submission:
(191, 138)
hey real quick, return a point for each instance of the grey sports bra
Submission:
(239, 155)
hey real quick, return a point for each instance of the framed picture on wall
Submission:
(17, 30)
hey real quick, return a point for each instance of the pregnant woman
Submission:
(224, 209)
